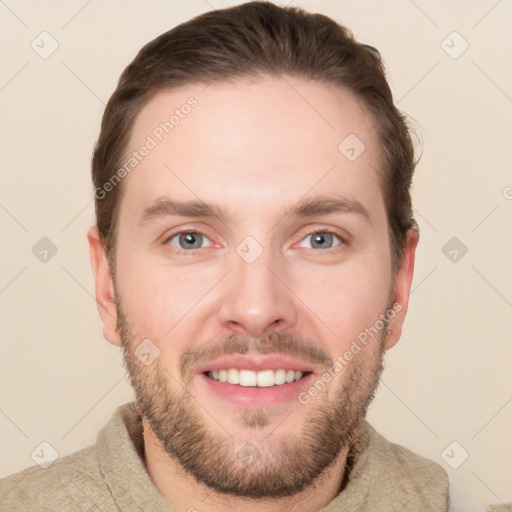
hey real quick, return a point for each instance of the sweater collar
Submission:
(377, 472)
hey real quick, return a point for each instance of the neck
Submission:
(186, 494)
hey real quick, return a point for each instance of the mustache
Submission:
(273, 343)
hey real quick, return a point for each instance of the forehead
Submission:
(249, 142)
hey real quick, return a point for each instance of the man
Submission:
(253, 257)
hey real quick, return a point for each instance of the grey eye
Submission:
(188, 240)
(322, 240)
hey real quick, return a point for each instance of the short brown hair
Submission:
(253, 39)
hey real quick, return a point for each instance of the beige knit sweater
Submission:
(110, 476)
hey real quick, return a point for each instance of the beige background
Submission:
(449, 377)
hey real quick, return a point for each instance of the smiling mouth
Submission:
(262, 379)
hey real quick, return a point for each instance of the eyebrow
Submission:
(304, 208)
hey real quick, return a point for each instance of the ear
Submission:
(402, 286)
(105, 300)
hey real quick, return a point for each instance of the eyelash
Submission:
(308, 233)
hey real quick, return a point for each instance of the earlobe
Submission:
(402, 286)
(105, 300)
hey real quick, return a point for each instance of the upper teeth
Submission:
(264, 378)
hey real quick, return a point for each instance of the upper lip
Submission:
(256, 363)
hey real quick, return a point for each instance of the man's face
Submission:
(254, 293)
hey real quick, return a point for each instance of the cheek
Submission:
(347, 299)
(162, 299)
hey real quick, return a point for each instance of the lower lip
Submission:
(253, 396)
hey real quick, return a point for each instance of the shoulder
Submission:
(404, 477)
(407, 463)
(73, 482)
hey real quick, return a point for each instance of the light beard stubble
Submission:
(274, 468)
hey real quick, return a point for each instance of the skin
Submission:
(253, 147)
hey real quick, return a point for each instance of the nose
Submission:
(256, 299)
